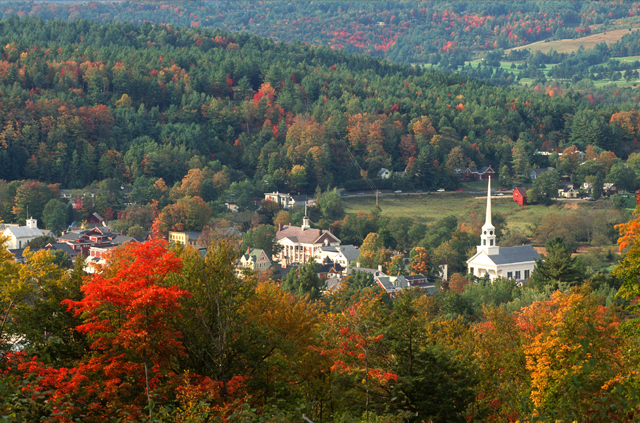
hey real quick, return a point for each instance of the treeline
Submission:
(405, 32)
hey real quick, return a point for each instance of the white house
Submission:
(287, 201)
(510, 262)
(300, 244)
(19, 236)
(383, 173)
(254, 259)
(343, 255)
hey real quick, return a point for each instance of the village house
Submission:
(287, 201)
(19, 236)
(568, 192)
(520, 196)
(343, 255)
(254, 259)
(300, 244)
(493, 262)
(383, 173)
(533, 175)
(184, 237)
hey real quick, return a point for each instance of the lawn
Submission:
(430, 207)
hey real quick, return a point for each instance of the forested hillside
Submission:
(83, 102)
(402, 31)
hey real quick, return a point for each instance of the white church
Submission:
(516, 263)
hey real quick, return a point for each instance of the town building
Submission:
(184, 237)
(493, 262)
(343, 255)
(254, 259)
(300, 244)
(520, 196)
(287, 201)
(19, 236)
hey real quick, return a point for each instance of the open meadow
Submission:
(430, 207)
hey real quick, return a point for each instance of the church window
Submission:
(490, 232)
(509, 275)
(484, 242)
(517, 275)
(526, 274)
(485, 232)
(491, 242)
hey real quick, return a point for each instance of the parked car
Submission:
(361, 193)
(397, 191)
(344, 194)
(418, 191)
(458, 190)
(441, 190)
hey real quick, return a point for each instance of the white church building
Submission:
(516, 263)
(19, 236)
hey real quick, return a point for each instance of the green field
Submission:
(430, 207)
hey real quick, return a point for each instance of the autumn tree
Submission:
(127, 310)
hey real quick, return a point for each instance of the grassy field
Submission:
(569, 45)
(430, 207)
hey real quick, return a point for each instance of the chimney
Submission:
(279, 226)
(379, 268)
(358, 264)
(248, 250)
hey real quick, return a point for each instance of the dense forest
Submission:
(401, 31)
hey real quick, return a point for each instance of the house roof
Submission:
(24, 231)
(415, 277)
(520, 254)
(255, 253)
(304, 236)
(485, 169)
(542, 170)
(521, 190)
(121, 239)
(64, 247)
(326, 268)
(382, 171)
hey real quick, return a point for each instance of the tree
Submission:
(127, 310)
(623, 177)
(419, 261)
(213, 326)
(263, 237)
(54, 215)
(546, 186)
(557, 266)
(41, 241)
(304, 282)
(457, 283)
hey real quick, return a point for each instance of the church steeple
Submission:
(488, 235)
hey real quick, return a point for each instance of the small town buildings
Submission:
(520, 196)
(19, 236)
(490, 260)
(383, 173)
(568, 192)
(300, 244)
(533, 175)
(287, 201)
(184, 237)
(95, 220)
(254, 259)
(609, 189)
(329, 270)
(343, 255)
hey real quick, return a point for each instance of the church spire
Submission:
(487, 221)
(488, 235)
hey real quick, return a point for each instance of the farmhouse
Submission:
(511, 262)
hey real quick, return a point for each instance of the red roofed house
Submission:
(299, 244)
(520, 196)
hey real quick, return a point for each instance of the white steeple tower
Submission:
(488, 234)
